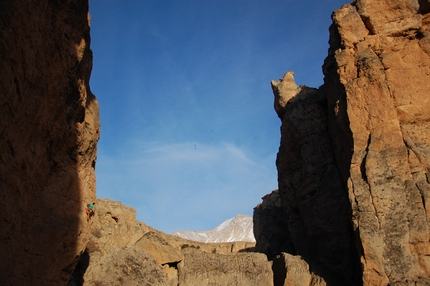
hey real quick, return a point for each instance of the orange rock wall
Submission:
(49, 127)
(353, 165)
(381, 56)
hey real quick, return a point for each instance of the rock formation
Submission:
(123, 251)
(353, 164)
(312, 195)
(354, 183)
(292, 270)
(125, 266)
(274, 237)
(49, 127)
(203, 269)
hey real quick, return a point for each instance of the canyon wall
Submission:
(353, 163)
(49, 127)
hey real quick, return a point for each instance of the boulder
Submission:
(115, 225)
(162, 252)
(202, 269)
(290, 270)
(128, 266)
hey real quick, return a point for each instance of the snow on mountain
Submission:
(239, 228)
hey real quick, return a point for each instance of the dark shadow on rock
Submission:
(248, 249)
(270, 223)
(48, 136)
(77, 278)
(279, 272)
(313, 166)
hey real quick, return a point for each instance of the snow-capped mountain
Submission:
(239, 228)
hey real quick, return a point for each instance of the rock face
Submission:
(202, 269)
(49, 127)
(112, 257)
(239, 228)
(290, 270)
(126, 266)
(353, 165)
(274, 237)
(123, 251)
(383, 91)
(311, 190)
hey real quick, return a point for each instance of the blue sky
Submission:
(188, 132)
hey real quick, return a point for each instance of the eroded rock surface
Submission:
(115, 232)
(353, 164)
(49, 127)
(143, 251)
(384, 91)
(202, 269)
(313, 197)
(292, 270)
(125, 266)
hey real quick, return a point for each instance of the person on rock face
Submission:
(90, 210)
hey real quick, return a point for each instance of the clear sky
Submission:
(188, 132)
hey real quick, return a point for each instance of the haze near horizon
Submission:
(188, 132)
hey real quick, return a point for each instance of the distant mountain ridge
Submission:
(239, 228)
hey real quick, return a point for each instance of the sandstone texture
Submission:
(311, 190)
(124, 266)
(49, 127)
(353, 164)
(124, 251)
(112, 256)
(290, 270)
(202, 269)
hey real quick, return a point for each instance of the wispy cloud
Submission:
(188, 185)
(196, 73)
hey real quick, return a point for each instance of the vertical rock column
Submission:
(313, 194)
(49, 127)
(354, 161)
(377, 81)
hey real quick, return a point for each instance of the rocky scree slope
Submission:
(353, 163)
(49, 128)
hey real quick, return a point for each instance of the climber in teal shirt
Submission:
(90, 210)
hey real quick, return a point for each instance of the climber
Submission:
(90, 210)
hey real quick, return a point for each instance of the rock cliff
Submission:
(353, 163)
(49, 127)
(123, 251)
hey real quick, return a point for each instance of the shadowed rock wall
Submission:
(274, 237)
(353, 164)
(49, 127)
(313, 194)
